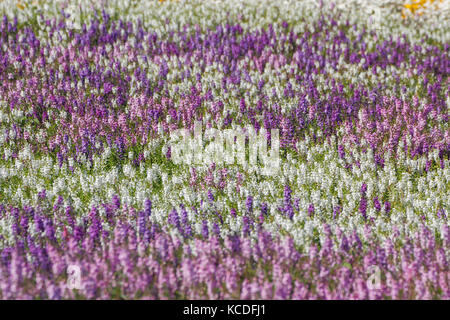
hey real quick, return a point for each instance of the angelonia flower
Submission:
(336, 211)
(148, 207)
(363, 189)
(205, 230)
(363, 207)
(287, 194)
(387, 206)
(264, 209)
(241, 150)
(376, 204)
(210, 196)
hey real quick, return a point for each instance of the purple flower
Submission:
(141, 222)
(242, 106)
(261, 218)
(377, 204)
(287, 194)
(246, 225)
(210, 196)
(428, 165)
(363, 207)
(184, 215)
(336, 211)
(297, 204)
(387, 206)
(441, 213)
(116, 201)
(43, 194)
(39, 224)
(216, 229)
(148, 207)
(49, 229)
(289, 211)
(341, 151)
(187, 231)
(174, 219)
(363, 188)
(264, 209)
(260, 85)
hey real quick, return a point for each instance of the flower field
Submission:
(93, 205)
